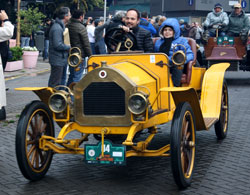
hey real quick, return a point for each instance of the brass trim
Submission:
(113, 75)
(77, 53)
(63, 95)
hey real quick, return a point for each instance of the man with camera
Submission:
(6, 32)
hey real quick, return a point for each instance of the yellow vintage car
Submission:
(123, 94)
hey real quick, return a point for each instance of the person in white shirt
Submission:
(91, 34)
(6, 32)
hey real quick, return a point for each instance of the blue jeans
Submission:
(46, 49)
(25, 41)
(221, 34)
(101, 47)
(76, 76)
(92, 45)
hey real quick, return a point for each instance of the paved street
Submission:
(222, 167)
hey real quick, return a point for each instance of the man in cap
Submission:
(238, 22)
(217, 19)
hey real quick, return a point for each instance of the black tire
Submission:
(35, 121)
(221, 126)
(2, 113)
(182, 145)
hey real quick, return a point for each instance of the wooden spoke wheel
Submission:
(35, 121)
(182, 145)
(221, 126)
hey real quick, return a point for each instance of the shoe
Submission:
(2, 114)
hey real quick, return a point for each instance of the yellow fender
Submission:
(207, 110)
(188, 94)
(42, 92)
(212, 90)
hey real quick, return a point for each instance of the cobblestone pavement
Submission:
(222, 167)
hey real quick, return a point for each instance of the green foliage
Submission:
(90, 4)
(84, 5)
(17, 54)
(30, 21)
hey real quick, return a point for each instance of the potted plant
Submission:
(15, 62)
(30, 56)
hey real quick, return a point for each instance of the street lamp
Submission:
(18, 23)
(105, 12)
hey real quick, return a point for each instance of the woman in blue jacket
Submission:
(170, 37)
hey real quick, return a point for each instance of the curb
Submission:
(40, 68)
(7, 78)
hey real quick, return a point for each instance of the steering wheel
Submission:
(117, 39)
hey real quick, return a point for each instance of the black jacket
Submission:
(46, 31)
(79, 36)
(144, 40)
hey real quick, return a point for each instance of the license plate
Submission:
(113, 154)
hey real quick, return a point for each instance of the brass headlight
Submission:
(137, 103)
(179, 57)
(58, 101)
(75, 58)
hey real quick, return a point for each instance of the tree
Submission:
(30, 21)
(85, 5)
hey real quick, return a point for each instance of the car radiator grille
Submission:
(104, 98)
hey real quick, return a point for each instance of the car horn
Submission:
(179, 57)
(75, 57)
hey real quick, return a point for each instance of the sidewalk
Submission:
(41, 66)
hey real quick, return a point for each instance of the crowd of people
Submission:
(68, 31)
(89, 36)
(236, 24)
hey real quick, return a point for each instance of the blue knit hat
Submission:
(217, 5)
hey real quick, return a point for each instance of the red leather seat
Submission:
(187, 72)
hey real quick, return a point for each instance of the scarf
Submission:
(166, 45)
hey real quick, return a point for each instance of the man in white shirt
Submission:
(6, 32)
(91, 34)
